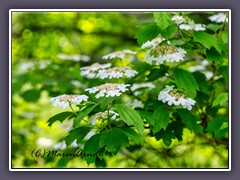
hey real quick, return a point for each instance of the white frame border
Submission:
(112, 10)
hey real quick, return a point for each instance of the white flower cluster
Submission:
(45, 142)
(116, 72)
(64, 100)
(135, 103)
(153, 43)
(142, 85)
(164, 53)
(188, 24)
(118, 54)
(108, 90)
(218, 18)
(178, 19)
(173, 97)
(135, 87)
(103, 116)
(192, 26)
(91, 71)
(202, 66)
(74, 57)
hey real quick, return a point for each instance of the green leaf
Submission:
(163, 19)
(207, 40)
(224, 71)
(166, 135)
(91, 148)
(133, 135)
(113, 139)
(78, 133)
(147, 116)
(224, 36)
(161, 117)
(100, 163)
(31, 95)
(59, 117)
(84, 112)
(169, 31)
(213, 27)
(190, 120)
(147, 32)
(130, 117)
(157, 73)
(218, 126)
(202, 81)
(177, 42)
(213, 55)
(186, 80)
(220, 99)
(177, 127)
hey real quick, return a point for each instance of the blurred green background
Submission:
(48, 48)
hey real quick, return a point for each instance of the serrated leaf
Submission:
(130, 117)
(59, 117)
(147, 32)
(78, 133)
(186, 80)
(91, 148)
(166, 135)
(220, 99)
(113, 139)
(202, 82)
(213, 55)
(216, 127)
(163, 19)
(207, 40)
(169, 31)
(177, 127)
(190, 120)
(84, 112)
(133, 135)
(147, 116)
(161, 119)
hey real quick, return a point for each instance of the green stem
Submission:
(70, 104)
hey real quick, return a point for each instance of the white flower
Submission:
(152, 43)
(192, 26)
(91, 71)
(218, 18)
(64, 100)
(118, 54)
(135, 103)
(78, 84)
(103, 116)
(162, 53)
(178, 19)
(61, 145)
(197, 68)
(45, 142)
(116, 72)
(108, 90)
(173, 97)
(74, 57)
(208, 74)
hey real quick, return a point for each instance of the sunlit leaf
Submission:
(59, 117)
(130, 117)
(185, 80)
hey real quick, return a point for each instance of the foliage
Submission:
(134, 122)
